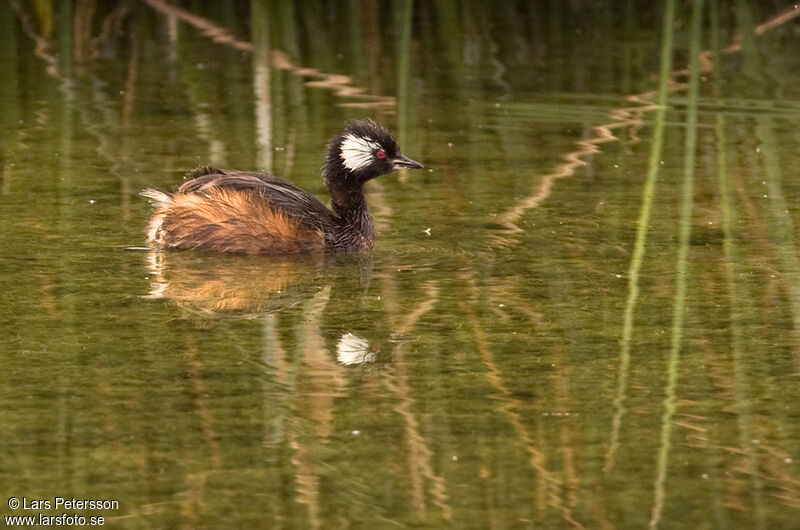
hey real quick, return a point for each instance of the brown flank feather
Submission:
(228, 220)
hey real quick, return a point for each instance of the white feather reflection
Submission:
(352, 350)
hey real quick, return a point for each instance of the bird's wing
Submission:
(282, 196)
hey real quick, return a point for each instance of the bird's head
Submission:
(362, 151)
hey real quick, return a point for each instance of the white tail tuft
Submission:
(163, 201)
(160, 197)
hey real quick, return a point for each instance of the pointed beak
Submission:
(404, 161)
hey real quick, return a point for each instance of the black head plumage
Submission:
(362, 151)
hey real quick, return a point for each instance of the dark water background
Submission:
(585, 311)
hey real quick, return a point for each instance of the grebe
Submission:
(257, 213)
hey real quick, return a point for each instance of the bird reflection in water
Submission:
(352, 349)
(210, 287)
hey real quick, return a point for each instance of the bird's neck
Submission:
(350, 207)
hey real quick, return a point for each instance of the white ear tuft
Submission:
(357, 151)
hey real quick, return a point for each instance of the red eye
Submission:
(381, 153)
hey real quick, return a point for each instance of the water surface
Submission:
(584, 312)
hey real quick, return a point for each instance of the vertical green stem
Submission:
(681, 269)
(406, 10)
(732, 260)
(642, 225)
(261, 83)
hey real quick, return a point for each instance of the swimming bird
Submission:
(257, 213)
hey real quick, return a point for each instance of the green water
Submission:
(552, 331)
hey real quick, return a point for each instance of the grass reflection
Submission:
(642, 227)
(682, 267)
